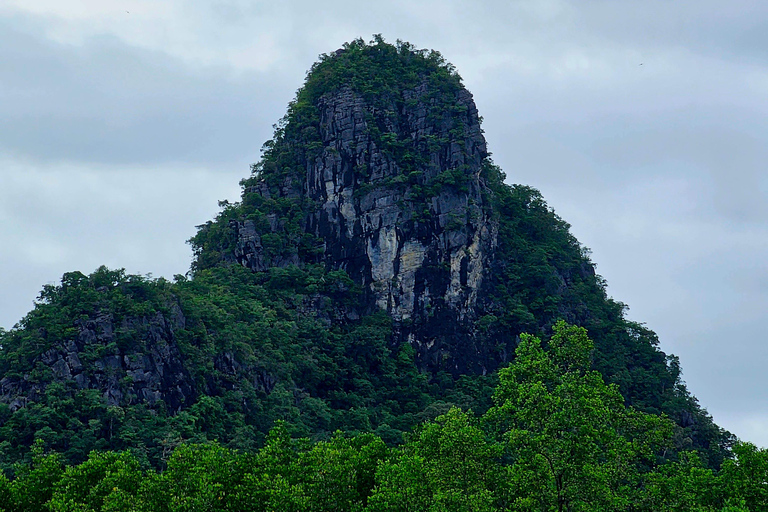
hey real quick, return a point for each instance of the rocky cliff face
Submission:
(145, 372)
(398, 203)
(390, 236)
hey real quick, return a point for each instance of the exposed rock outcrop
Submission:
(399, 205)
(145, 370)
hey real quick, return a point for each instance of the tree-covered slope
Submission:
(376, 272)
(558, 438)
(112, 361)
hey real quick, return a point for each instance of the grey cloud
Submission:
(63, 218)
(730, 30)
(108, 102)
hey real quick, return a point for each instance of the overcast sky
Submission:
(643, 123)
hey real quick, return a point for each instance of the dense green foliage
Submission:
(557, 439)
(543, 274)
(540, 273)
(319, 377)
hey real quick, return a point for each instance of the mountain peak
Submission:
(375, 170)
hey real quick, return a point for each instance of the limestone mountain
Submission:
(382, 181)
(376, 271)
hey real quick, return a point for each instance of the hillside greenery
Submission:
(541, 273)
(325, 378)
(557, 438)
(327, 375)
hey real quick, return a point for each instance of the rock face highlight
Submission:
(396, 200)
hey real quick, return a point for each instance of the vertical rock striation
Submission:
(398, 203)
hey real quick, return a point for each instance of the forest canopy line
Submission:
(557, 438)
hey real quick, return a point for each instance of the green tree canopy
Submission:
(572, 443)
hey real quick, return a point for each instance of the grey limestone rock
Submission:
(420, 256)
(128, 376)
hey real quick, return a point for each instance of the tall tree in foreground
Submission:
(447, 465)
(571, 442)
